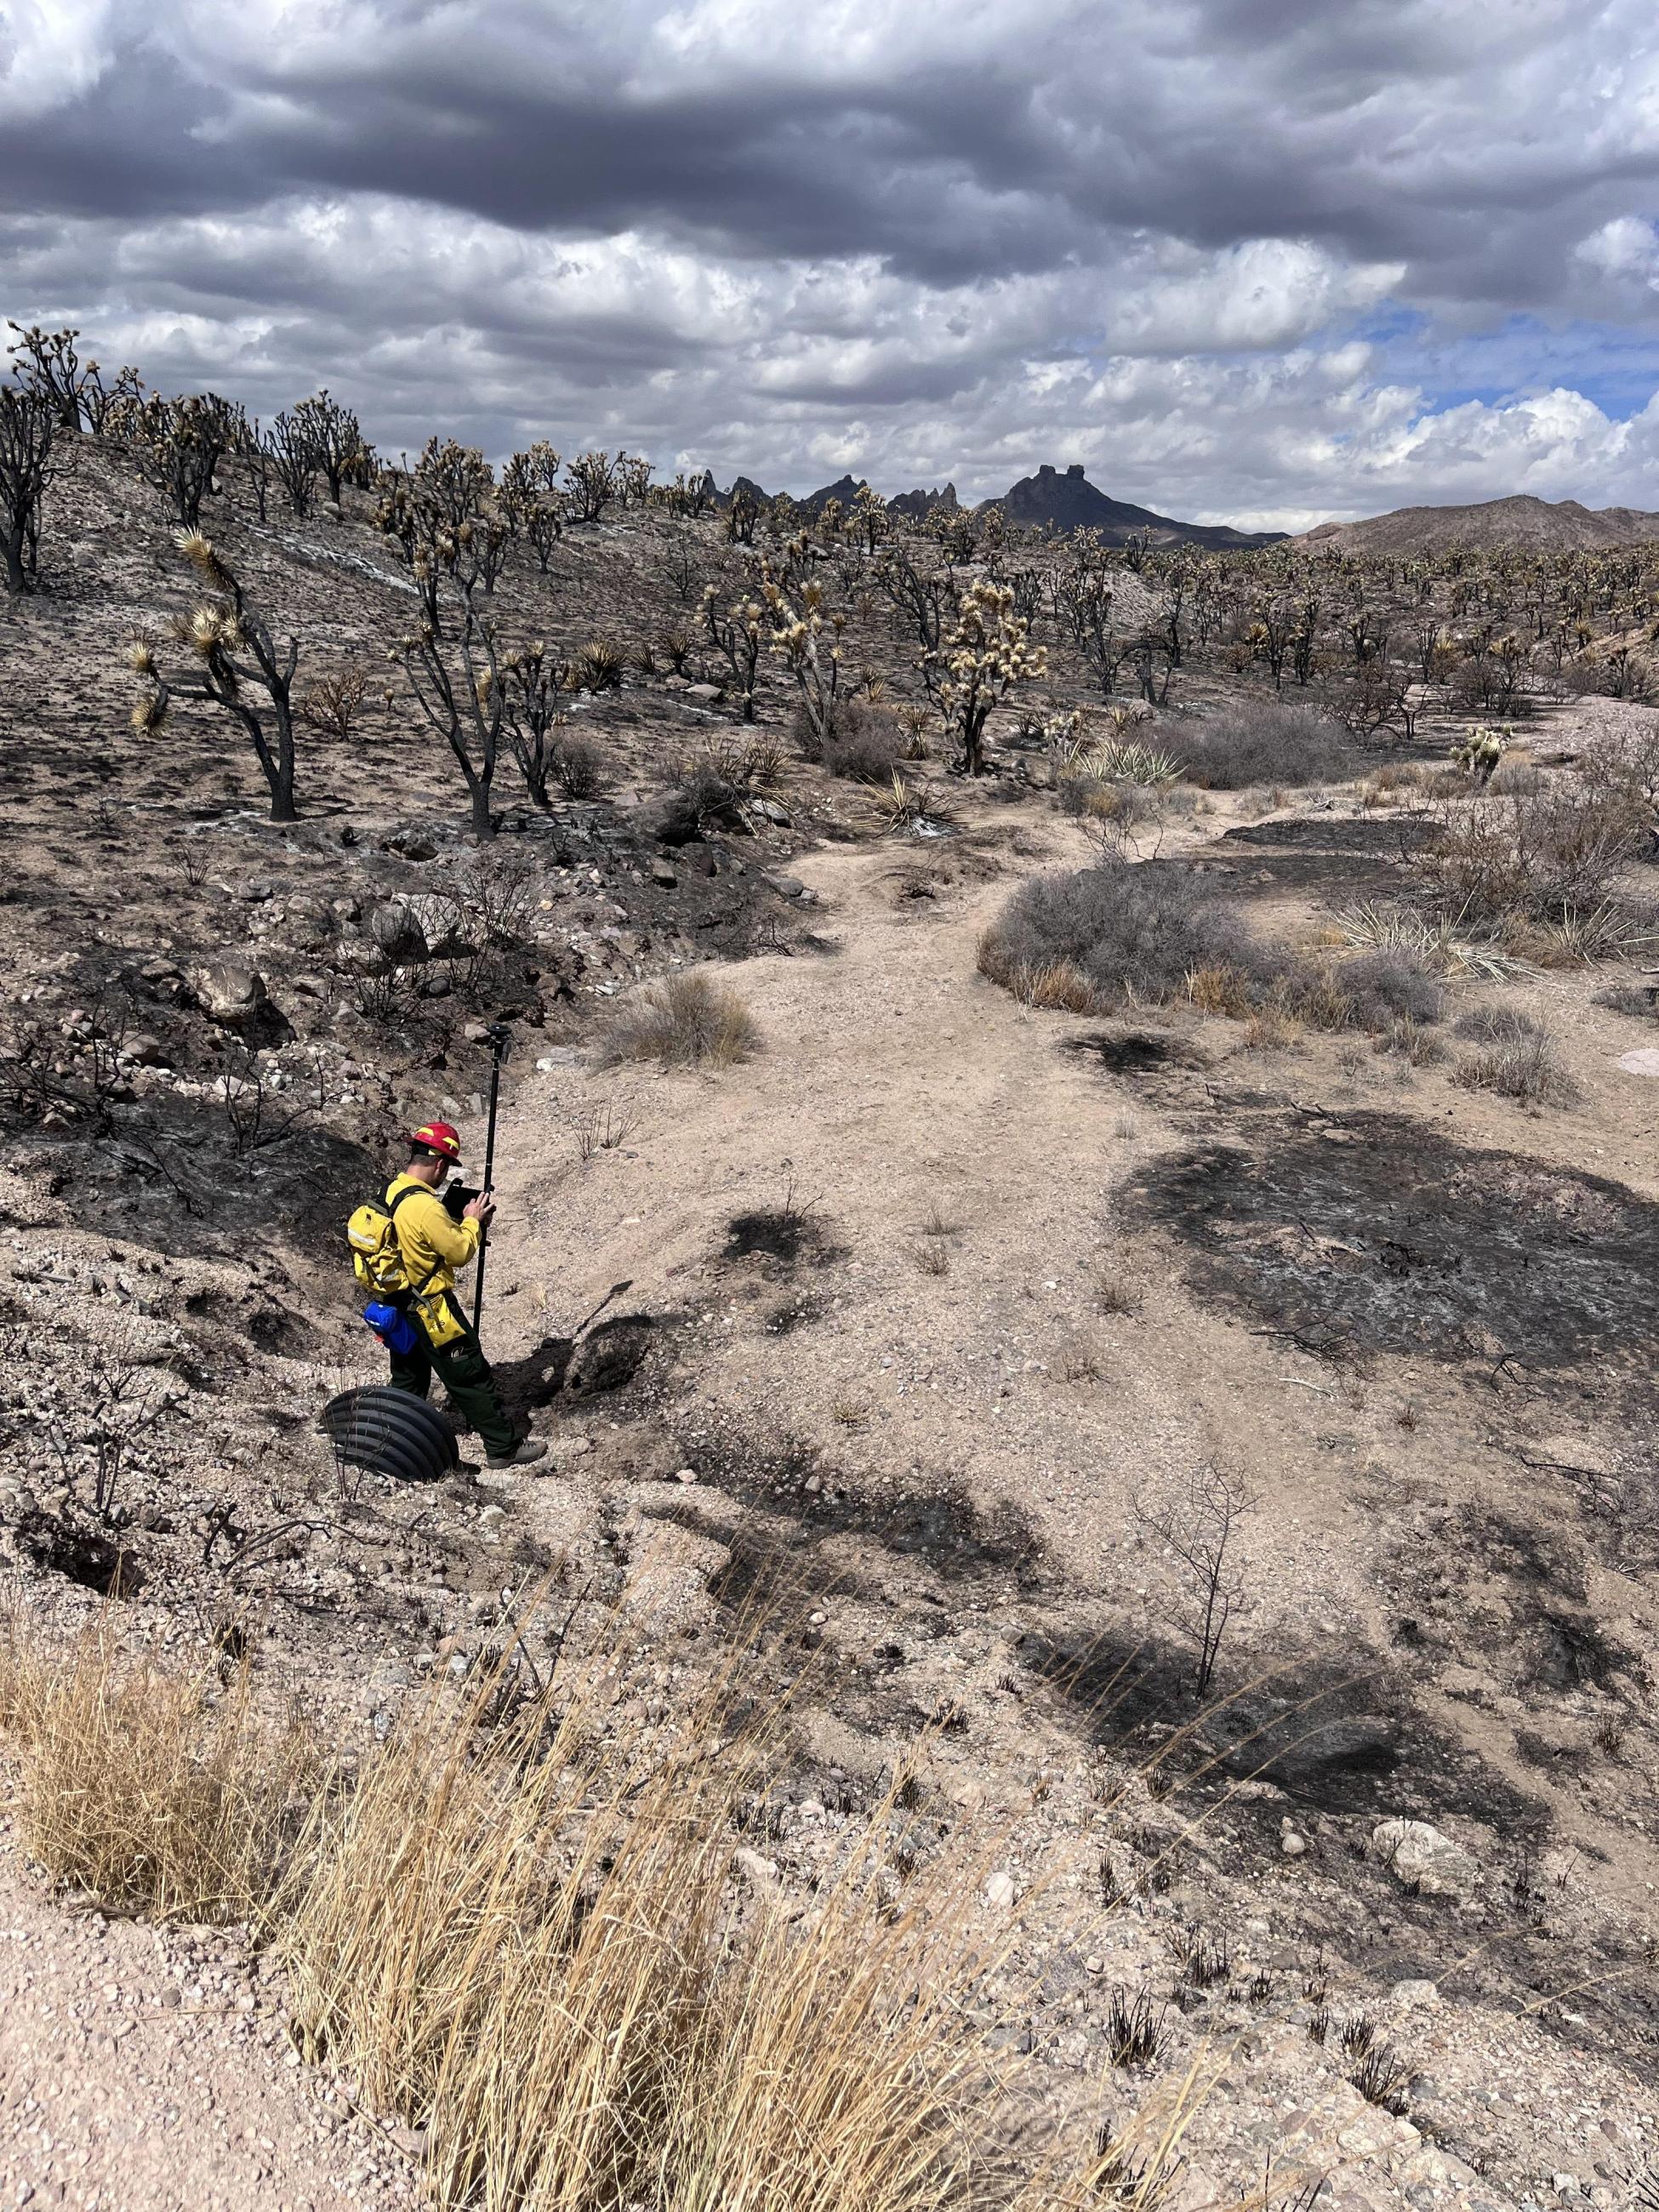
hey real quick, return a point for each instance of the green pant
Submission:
(462, 1369)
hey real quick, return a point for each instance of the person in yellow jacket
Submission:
(434, 1246)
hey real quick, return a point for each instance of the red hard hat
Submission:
(439, 1137)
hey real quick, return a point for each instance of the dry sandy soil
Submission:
(931, 1303)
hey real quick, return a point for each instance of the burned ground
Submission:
(1397, 1239)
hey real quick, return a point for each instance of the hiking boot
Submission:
(523, 1454)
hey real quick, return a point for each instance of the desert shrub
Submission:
(1393, 783)
(1404, 1036)
(1264, 742)
(684, 1021)
(1510, 777)
(1114, 932)
(1495, 1025)
(863, 742)
(1633, 998)
(578, 768)
(706, 797)
(1532, 854)
(1094, 798)
(1520, 1061)
(1390, 987)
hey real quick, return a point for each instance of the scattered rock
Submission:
(1001, 1891)
(1418, 1855)
(395, 929)
(228, 990)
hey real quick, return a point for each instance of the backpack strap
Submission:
(391, 1205)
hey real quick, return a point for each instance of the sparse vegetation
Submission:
(686, 1021)
(1519, 1059)
(1116, 933)
(1265, 742)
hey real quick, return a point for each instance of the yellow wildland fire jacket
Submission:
(433, 1247)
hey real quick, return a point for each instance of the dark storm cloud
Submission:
(737, 220)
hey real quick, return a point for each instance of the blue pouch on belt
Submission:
(395, 1329)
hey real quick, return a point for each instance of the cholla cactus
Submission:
(1481, 752)
(986, 655)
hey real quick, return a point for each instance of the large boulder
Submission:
(229, 991)
(397, 931)
(1419, 1855)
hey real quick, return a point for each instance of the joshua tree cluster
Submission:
(813, 590)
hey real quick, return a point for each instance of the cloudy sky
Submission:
(1256, 260)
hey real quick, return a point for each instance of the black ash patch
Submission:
(1399, 1238)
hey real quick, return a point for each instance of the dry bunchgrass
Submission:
(1520, 1059)
(538, 1953)
(1055, 985)
(153, 1793)
(531, 1939)
(1219, 990)
(685, 1021)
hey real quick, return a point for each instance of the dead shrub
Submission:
(1536, 855)
(1520, 1061)
(1265, 742)
(685, 1021)
(1129, 933)
(329, 705)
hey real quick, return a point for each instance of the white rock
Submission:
(1644, 1063)
(753, 1868)
(1416, 1853)
(1000, 1891)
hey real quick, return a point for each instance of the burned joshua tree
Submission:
(239, 667)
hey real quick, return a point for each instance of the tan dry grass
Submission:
(154, 1794)
(530, 1941)
(684, 1021)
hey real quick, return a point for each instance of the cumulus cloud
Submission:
(1182, 240)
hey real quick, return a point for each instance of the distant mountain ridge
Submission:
(1558, 527)
(1050, 499)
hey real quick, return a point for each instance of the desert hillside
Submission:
(1520, 523)
(1079, 1220)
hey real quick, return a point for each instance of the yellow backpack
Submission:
(377, 1261)
(377, 1258)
